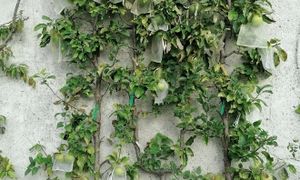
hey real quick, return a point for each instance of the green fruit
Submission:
(59, 157)
(119, 171)
(161, 86)
(257, 20)
(69, 157)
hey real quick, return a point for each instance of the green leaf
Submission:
(298, 110)
(282, 54)
(284, 174)
(139, 92)
(292, 168)
(233, 15)
(40, 26)
(81, 162)
(60, 124)
(257, 123)
(190, 141)
(267, 19)
(2, 120)
(276, 59)
(46, 18)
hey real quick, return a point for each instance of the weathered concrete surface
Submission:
(31, 112)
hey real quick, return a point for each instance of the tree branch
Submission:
(55, 94)
(232, 53)
(14, 18)
(97, 136)
(225, 143)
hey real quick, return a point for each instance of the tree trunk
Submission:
(97, 136)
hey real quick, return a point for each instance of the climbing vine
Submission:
(178, 57)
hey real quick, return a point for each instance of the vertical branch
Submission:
(225, 143)
(131, 94)
(225, 139)
(97, 136)
(225, 120)
(98, 100)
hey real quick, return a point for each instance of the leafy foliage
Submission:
(186, 70)
(16, 71)
(41, 161)
(157, 150)
(247, 139)
(78, 134)
(77, 86)
(6, 168)
(124, 124)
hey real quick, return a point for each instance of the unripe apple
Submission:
(59, 157)
(257, 20)
(161, 86)
(119, 171)
(69, 157)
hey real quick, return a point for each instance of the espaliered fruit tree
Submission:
(178, 55)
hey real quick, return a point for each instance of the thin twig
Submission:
(232, 53)
(104, 162)
(157, 172)
(60, 98)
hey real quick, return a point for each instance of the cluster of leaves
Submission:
(6, 168)
(202, 125)
(78, 134)
(159, 149)
(208, 100)
(242, 12)
(247, 139)
(263, 170)
(41, 161)
(124, 124)
(16, 71)
(294, 147)
(122, 162)
(78, 86)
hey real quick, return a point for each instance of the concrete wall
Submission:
(31, 112)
